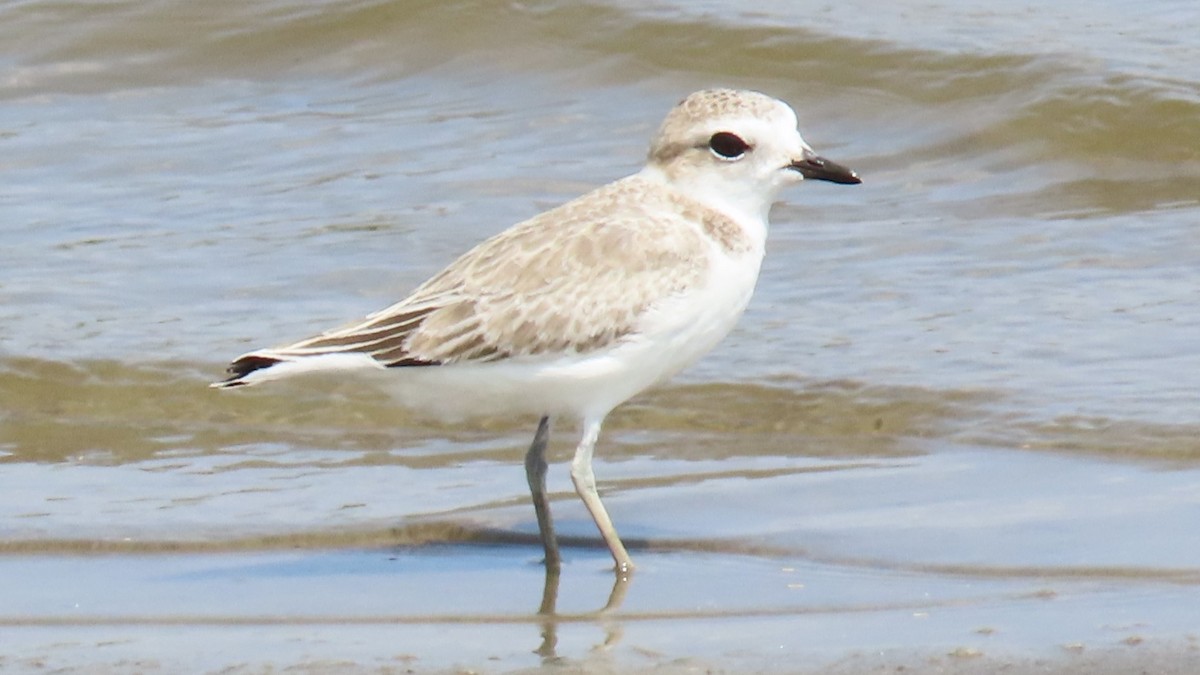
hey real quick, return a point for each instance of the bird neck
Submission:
(748, 208)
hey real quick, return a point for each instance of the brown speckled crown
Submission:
(708, 104)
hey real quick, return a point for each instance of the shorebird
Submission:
(576, 310)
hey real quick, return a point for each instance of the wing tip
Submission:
(242, 367)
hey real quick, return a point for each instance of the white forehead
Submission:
(706, 112)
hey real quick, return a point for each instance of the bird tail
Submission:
(243, 367)
(265, 365)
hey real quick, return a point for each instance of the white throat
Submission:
(747, 205)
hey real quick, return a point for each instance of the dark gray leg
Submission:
(535, 471)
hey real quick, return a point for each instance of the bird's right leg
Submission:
(585, 485)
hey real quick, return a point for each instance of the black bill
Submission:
(815, 167)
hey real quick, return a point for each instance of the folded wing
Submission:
(570, 281)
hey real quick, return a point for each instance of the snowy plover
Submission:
(578, 309)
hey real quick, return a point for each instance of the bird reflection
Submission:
(550, 618)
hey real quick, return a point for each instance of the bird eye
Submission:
(727, 146)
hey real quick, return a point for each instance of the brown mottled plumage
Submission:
(526, 293)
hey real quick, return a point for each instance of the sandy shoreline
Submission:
(238, 652)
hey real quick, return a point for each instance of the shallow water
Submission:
(959, 417)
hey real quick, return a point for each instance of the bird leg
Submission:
(535, 472)
(585, 485)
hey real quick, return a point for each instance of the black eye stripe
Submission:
(728, 145)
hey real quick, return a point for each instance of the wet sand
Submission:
(474, 608)
(865, 587)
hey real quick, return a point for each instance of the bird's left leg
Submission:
(535, 472)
